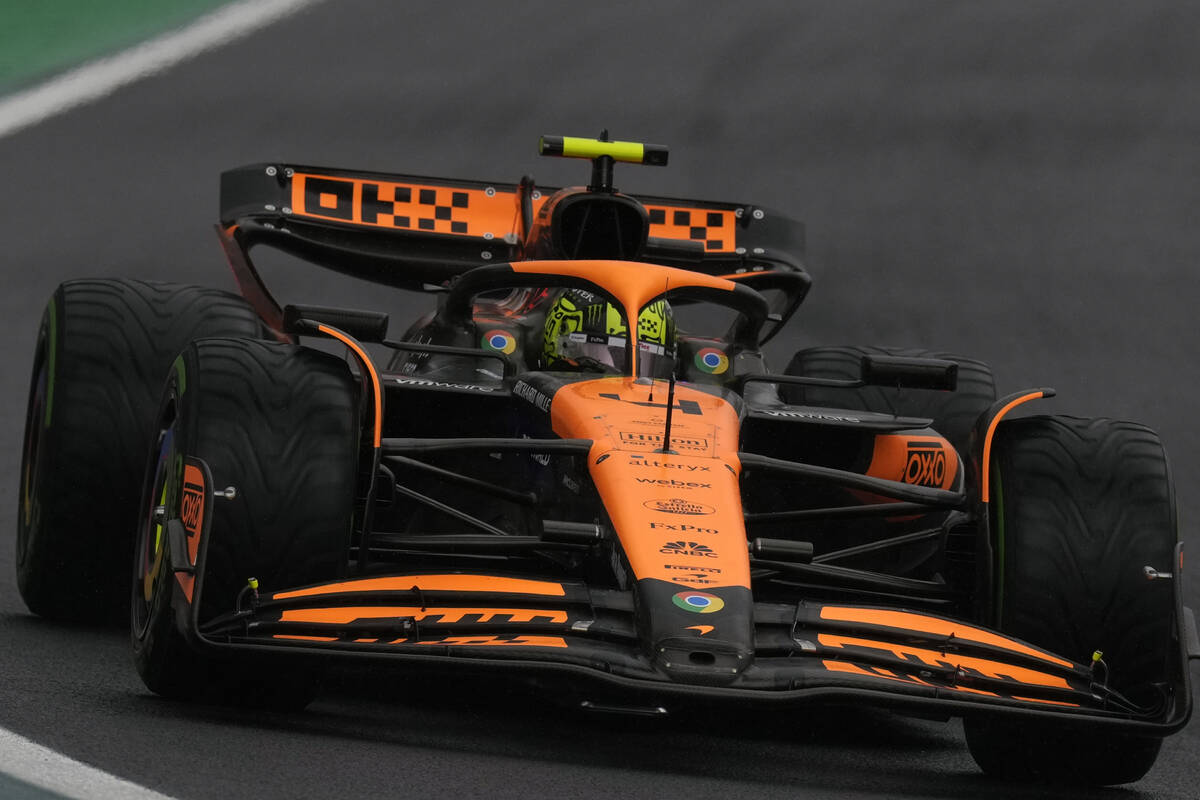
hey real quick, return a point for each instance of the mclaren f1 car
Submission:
(579, 465)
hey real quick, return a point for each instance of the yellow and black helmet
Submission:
(584, 331)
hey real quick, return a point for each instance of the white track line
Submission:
(104, 76)
(21, 758)
(40, 766)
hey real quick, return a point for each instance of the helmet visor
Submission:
(593, 351)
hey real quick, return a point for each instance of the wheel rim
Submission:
(151, 569)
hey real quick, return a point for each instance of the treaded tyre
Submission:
(953, 413)
(1079, 508)
(103, 349)
(280, 424)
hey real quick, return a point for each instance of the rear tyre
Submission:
(280, 424)
(103, 348)
(953, 413)
(1079, 508)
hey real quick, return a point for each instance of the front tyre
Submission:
(1079, 508)
(103, 348)
(280, 424)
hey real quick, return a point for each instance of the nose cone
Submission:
(677, 510)
(701, 637)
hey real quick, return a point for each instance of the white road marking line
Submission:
(42, 767)
(104, 76)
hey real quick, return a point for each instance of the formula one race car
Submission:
(579, 466)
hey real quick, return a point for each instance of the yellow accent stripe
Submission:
(575, 147)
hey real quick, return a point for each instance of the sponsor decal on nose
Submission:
(677, 505)
(698, 602)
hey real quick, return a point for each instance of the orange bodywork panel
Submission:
(431, 583)
(347, 614)
(919, 460)
(191, 514)
(678, 513)
(921, 623)
(457, 641)
(979, 666)
(716, 228)
(493, 212)
(879, 672)
(415, 206)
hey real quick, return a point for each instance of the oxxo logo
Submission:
(926, 465)
(694, 549)
(681, 528)
(192, 508)
(191, 504)
(677, 505)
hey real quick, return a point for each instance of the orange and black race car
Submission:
(580, 466)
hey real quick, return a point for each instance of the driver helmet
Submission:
(585, 331)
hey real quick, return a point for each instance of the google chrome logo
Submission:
(500, 340)
(698, 602)
(712, 361)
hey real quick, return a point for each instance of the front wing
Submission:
(803, 652)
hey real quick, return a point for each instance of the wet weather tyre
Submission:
(953, 413)
(103, 351)
(280, 424)
(1079, 508)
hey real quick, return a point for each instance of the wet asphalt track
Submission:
(1016, 181)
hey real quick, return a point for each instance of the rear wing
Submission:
(415, 232)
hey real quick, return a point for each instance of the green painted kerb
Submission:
(39, 38)
(52, 350)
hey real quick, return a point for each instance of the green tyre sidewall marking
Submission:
(181, 371)
(998, 500)
(51, 350)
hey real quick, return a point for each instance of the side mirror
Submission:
(365, 326)
(910, 373)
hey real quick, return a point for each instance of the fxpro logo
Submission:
(693, 549)
(680, 528)
(926, 464)
(677, 505)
